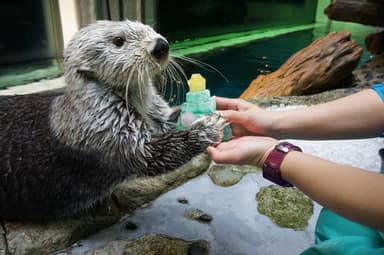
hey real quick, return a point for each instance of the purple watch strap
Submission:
(271, 166)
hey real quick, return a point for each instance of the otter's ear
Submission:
(86, 71)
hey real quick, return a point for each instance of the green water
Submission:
(180, 20)
(243, 63)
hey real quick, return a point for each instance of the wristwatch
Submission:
(271, 166)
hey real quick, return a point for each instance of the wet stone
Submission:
(206, 218)
(182, 200)
(131, 225)
(43, 239)
(3, 241)
(198, 215)
(79, 244)
(196, 249)
(228, 175)
(154, 245)
(286, 207)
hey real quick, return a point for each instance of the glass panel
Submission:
(149, 13)
(179, 20)
(240, 65)
(29, 43)
(119, 9)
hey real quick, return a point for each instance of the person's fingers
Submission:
(235, 116)
(220, 156)
(236, 104)
(223, 103)
(239, 130)
(227, 145)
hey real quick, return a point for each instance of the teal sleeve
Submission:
(379, 88)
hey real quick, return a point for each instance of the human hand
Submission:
(246, 150)
(245, 118)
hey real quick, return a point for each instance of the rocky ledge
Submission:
(23, 238)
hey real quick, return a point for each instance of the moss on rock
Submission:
(287, 207)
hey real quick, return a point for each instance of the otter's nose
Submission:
(161, 49)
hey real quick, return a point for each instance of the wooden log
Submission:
(362, 12)
(375, 43)
(321, 66)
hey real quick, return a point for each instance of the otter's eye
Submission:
(118, 41)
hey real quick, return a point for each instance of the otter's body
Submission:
(41, 177)
(61, 153)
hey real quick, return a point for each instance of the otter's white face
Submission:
(115, 53)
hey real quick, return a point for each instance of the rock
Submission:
(321, 66)
(198, 215)
(113, 248)
(39, 239)
(196, 249)
(360, 80)
(142, 191)
(182, 200)
(3, 243)
(154, 245)
(206, 218)
(372, 72)
(375, 42)
(287, 207)
(130, 225)
(280, 101)
(362, 12)
(228, 175)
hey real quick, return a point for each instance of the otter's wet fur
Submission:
(61, 153)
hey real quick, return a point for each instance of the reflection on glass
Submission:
(179, 20)
(29, 47)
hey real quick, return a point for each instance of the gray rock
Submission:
(19, 238)
(113, 248)
(198, 215)
(153, 245)
(228, 175)
(287, 207)
(306, 100)
(3, 243)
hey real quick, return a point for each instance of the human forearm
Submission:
(356, 116)
(332, 186)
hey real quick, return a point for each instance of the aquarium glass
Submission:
(230, 70)
(180, 20)
(29, 46)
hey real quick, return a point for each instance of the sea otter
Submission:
(61, 153)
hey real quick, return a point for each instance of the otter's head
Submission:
(116, 53)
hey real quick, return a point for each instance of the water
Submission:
(240, 65)
(201, 18)
(237, 228)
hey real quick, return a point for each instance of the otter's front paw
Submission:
(210, 127)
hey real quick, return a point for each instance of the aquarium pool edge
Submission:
(206, 44)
